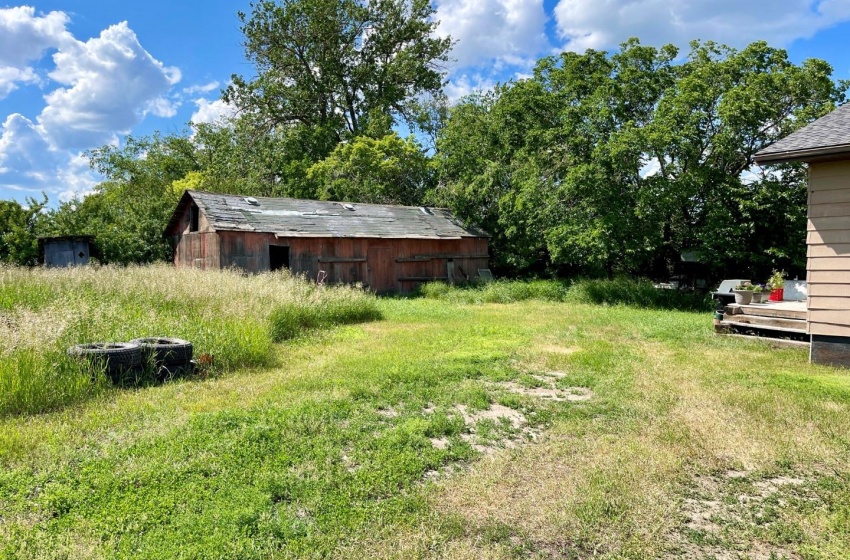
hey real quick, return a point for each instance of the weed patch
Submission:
(619, 291)
(234, 319)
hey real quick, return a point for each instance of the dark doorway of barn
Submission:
(278, 257)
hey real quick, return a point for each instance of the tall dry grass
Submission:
(232, 317)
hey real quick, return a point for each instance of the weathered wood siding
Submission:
(828, 275)
(384, 265)
(183, 223)
(199, 249)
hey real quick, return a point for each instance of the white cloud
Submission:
(603, 24)
(112, 83)
(107, 85)
(77, 177)
(11, 77)
(205, 88)
(24, 37)
(162, 107)
(495, 40)
(212, 111)
(29, 165)
(464, 84)
(493, 32)
(650, 168)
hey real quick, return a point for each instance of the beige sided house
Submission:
(825, 146)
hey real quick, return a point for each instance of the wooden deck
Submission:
(782, 320)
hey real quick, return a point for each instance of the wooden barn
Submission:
(825, 146)
(387, 248)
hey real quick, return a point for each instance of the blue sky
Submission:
(78, 75)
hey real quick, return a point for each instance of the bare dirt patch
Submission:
(548, 375)
(495, 412)
(571, 394)
(388, 412)
(508, 426)
(440, 443)
(547, 388)
(724, 518)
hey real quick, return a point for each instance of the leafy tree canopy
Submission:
(387, 170)
(620, 162)
(331, 64)
(128, 212)
(19, 231)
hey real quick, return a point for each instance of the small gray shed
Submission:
(74, 250)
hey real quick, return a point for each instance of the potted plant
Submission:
(776, 285)
(758, 293)
(743, 293)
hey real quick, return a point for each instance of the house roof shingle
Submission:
(827, 136)
(290, 217)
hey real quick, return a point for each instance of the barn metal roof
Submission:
(826, 137)
(292, 217)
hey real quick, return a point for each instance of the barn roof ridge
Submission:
(296, 217)
(335, 202)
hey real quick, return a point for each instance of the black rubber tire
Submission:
(118, 358)
(165, 351)
(174, 371)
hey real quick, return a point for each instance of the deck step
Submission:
(778, 310)
(760, 322)
(775, 330)
(777, 342)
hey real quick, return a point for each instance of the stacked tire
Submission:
(121, 361)
(128, 363)
(168, 357)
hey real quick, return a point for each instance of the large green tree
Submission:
(19, 230)
(725, 107)
(607, 163)
(128, 211)
(235, 157)
(330, 64)
(386, 170)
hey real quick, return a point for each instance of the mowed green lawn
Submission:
(431, 434)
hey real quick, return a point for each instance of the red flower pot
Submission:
(777, 295)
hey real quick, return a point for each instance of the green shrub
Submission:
(499, 291)
(636, 293)
(619, 291)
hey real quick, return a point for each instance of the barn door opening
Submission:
(278, 257)
(381, 268)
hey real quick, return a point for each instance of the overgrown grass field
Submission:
(233, 318)
(534, 429)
